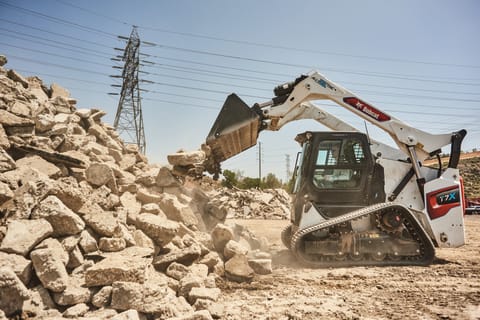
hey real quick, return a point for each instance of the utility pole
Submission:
(287, 163)
(259, 163)
(129, 119)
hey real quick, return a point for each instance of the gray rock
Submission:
(63, 220)
(237, 269)
(159, 229)
(56, 247)
(44, 122)
(142, 240)
(50, 269)
(3, 60)
(75, 258)
(12, 291)
(99, 174)
(17, 77)
(102, 222)
(23, 235)
(21, 266)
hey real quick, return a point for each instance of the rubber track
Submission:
(414, 227)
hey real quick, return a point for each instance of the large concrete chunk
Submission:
(184, 256)
(203, 293)
(148, 298)
(23, 235)
(237, 269)
(73, 294)
(99, 174)
(21, 266)
(40, 164)
(102, 222)
(50, 269)
(177, 211)
(232, 248)
(63, 220)
(12, 291)
(186, 158)
(159, 229)
(165, 178)
(221, 234)
(117, 267)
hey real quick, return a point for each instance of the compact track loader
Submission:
(356, 201)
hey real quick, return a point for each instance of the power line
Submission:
(272, 46)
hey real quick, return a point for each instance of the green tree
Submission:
(271, 181)
(230, 179)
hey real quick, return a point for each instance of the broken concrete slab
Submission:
(237, 269)
(117, 267)
(102, 222)
(13, 292)
(73, 294)
(99, 174)
(159, 229)
(261, 266)
(50, 269)
(177, 211)
(183, 158)
(221, 234)
(21, 266)
(184, 256)
(23, 235)
(40, 164)
(63, 220)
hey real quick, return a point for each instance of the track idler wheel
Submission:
(287, 236)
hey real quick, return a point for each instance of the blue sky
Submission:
(417, 60)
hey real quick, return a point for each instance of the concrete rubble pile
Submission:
(253, 204)
(89, 229)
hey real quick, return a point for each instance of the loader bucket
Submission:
(235, 129)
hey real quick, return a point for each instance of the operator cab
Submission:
(337, 173)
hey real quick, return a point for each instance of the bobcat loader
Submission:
(355, 201)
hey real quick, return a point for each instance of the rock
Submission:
(44, 122)
(76, 311)
(117, 267)
(103, 297)
(232, 248)
(12, 291)
(152, 208)
(73, 294)
(21, 266)
(50, 269)
(63, 220)
(40, 300)
(177, 270)
(21, 108)
(148, 178)
(17, 77)
(221, 234)
(102, 222)
(39, 164)
(99, 174)
(159, 229)
(129, 202)
(56, 90)
(5, 193)
(261, 266)
(56, 247)
(15, 125)
(184, 256)
(6, 162)
(4, 142)
(186, 158)
(216, 309)
(23, 235)
(112, 244)
(142, 240)
(75, 258)
(145, 196)
(129, 315)
(103, 137)
(203, 293)
(147, 298)
(197, 315)
(3, 60)
(237, 269)
(177, 211)
(165, 178)
(87, 242)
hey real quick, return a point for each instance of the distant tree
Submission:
(230, 179)
(270, 182)
(249, 183)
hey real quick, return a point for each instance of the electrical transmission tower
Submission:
(129, 119)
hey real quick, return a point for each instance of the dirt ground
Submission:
(448, 289)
